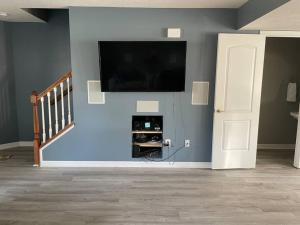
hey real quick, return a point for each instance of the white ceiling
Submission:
(17, 15)
(13, 7)
(286, 17)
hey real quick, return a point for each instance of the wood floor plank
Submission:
(268, 195)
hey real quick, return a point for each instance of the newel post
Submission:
(36, 129)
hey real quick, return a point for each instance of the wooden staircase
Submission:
(51, 97)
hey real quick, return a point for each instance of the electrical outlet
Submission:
(187, 143)
(168, 142)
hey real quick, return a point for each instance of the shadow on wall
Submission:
(5, 105)
(4, 86)
(8, 119)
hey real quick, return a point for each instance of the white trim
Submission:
(25, 143)
(55, 139)
(276, 146)
(16, 144)
(9, 145)
(295, 34)
(297, 148)
(41, 157)
(136, 164)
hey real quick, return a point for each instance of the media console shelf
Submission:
(146, 132)
(149, 144)
(147, 136)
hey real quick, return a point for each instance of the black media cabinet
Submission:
(147, 136)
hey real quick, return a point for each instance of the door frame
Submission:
(288, 34)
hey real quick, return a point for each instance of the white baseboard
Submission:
(9, 145)
(276, 146)
(140, 164)
(16, 144)
(25, 143)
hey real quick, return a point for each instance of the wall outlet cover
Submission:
(168, 142)
(187, 143)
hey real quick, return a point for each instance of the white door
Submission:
(237, 100)
(297, 149)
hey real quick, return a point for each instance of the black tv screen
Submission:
(142, 66)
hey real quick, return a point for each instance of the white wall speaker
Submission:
(147, 106)
(200, 93)
(174, 33)
(95, 96)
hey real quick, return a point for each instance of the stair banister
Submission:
(36, 129)
(43, 120)
(56, 115)
(42, 97)
(62, 105)
(69, 102)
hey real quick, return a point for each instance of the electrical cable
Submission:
(161, 160)
(174, 119)
(175, 134)
(181, 116)
(175, 129)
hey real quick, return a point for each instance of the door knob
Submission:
(219, 111)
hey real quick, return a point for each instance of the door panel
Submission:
(239, 129)
(237, 100)
(243, 72)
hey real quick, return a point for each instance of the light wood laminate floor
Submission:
(268, 195)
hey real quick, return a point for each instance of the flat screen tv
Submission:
(142, 66)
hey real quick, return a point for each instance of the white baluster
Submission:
(43, 120)
(55, 105)
(50, 120)
(62, 105)
(69, 104)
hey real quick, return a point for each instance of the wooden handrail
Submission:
(56, 83)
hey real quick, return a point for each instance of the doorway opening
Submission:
(279, 102)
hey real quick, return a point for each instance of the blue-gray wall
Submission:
(41, 53)
(102, 132)
(8, 112)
